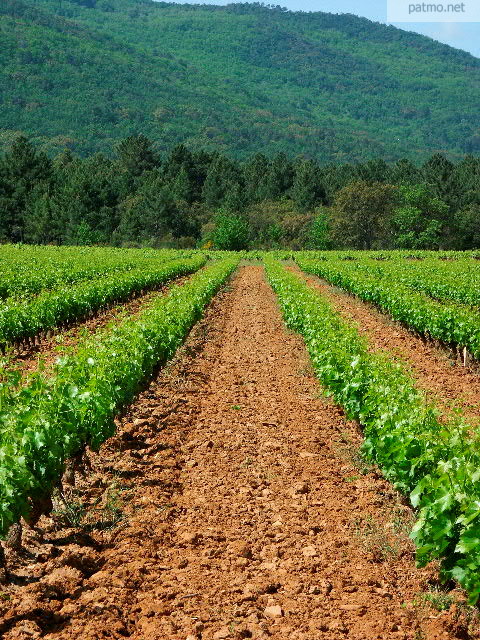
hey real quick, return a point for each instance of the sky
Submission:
(457, 34)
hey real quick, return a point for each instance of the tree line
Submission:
(185, 198)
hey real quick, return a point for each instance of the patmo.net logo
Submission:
(407, 11)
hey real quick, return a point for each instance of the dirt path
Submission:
(245, 513)
(446, 382)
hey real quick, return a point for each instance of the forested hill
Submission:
(85, 74)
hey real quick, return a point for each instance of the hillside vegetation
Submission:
(84, 74)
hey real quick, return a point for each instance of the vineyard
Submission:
(206, 445)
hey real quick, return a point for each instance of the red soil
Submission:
(245, 510)
(446, 382)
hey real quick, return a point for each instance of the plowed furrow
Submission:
(245, 511)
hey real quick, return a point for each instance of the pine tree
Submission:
(41, 226)
(181, 187)
(405, 172)
(154, 214)
(87, 191)
(184, 174)
(437, 173)
(307, 190)
(278, 179)
(222, 175)
(255, 172)
(375, 170)
(137, 155)
(22, 170)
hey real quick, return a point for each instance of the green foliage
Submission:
(436, 463)
(136, 155)
(466, 227)
(319, 232)
(20, 320)
(22, 170)
(451, 323)
(418, 220)
(231, 232)
(361, 214)
(273, 236)
(44, 421)
(222, 177)
(270, 223)
(456, 279)
(153, 213)
(307, 189)
(436, 599)
(139, 198)
(85, 74)
(83, 235)
(27, 270)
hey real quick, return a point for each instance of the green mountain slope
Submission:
(241, 78)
